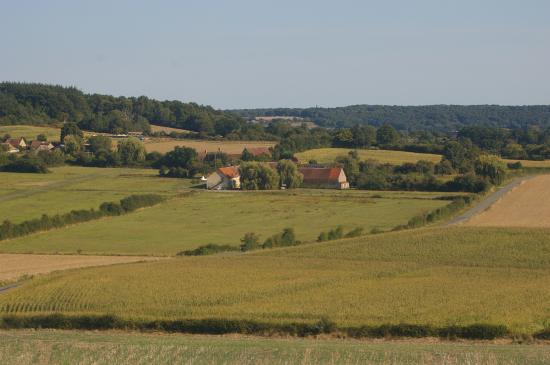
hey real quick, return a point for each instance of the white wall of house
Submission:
(213, 180)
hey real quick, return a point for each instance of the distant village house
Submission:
(18, 143)
(41, 146)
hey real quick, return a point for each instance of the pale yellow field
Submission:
(328, 155)
(29, 132)
(159, 128)
(13, 266)
(529, 163)
(528, 205)
(231, 147)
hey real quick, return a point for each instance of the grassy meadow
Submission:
(29, 132)
(437, 276)
(63, 347)
(28, 196)
(223, 218)
(231, 147)
(328, 155)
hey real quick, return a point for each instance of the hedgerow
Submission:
(46, 222)
(225, 326)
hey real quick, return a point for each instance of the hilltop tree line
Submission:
(433, 118)
(24, 103)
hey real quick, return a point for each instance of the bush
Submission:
(286, 238)
(354, 233)
(333, 234)
(515, 165)
(111, 208)
(209, 249)
(249, 242)
(134, 202)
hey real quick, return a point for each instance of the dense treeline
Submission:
(22, 103)
(46, 222)
(435, 118)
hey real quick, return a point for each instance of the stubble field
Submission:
(328, 155)
(231, 147)
(528, 205)
(14, 266)
(64, 347)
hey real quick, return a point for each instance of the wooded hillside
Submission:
(434, 118)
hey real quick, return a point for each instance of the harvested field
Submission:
(29, 132)
(528, 205)
(13, 266)
(231, 147)
(328, 155)
(101, 347)
(160, 128)
(531, 163)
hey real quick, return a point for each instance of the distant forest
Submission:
(432, 118)
(29, 103)
(25, 103)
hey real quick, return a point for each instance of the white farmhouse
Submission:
(224, 178)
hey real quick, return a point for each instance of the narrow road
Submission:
(487, 202)
(8, 287)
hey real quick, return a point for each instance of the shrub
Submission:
(134, 202)
(209, 249)
(250, 241)
(515, 165)
(286, 238)
(354, 233)
(111, 208)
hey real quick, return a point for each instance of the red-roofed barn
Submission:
(324, 177)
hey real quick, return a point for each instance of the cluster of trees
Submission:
(43, 104)
(251, 241)
(435, 118)
(532, 143)
(475, 172)
(46, 222)
(261, 176)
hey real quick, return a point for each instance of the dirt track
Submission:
(526, 205)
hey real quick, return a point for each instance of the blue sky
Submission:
(245, 53)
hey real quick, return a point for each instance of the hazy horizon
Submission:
(257, 54)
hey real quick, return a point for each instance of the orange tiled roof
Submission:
(257, 151)
(230, 171)
(320, 174)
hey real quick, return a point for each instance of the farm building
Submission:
(324, 177)
(9, 148)
(41, 146)
(18, 143)
(259, 151)
(224, 178)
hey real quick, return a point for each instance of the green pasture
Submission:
(204, 217)
(29, 132)
(28, 196)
